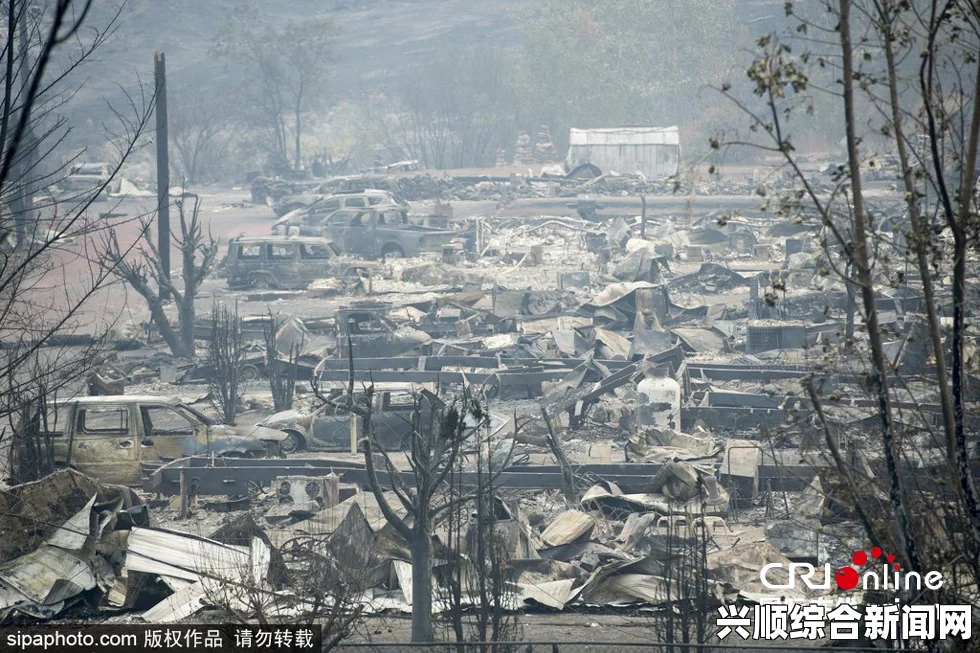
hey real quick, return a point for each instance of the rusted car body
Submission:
(375, 232)
(328, 427)
(111, 437)
(287, 262)
(363, 331)
(393, 416)
(326, 200)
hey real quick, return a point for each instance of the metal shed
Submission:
(653, 151)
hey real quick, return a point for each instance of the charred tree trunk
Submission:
(878, 377)
(421, 550)
(186, 323)
(175, 341)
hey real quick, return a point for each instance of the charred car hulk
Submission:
(288, 262)
(111, 437)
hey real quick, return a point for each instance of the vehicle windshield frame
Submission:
(196, 414)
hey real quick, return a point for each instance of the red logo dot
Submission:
(890, 558)
(847, 578)
(859, 558)
(897, 566)
(876, 552)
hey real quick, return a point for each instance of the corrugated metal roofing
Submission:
(625, 136)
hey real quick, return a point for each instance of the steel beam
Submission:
(495, 378)
(231, 477)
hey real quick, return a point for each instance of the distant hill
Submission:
(379, 40)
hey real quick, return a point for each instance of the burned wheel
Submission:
(262, 282)
(293, 443)
(250, 373)
(392, 251)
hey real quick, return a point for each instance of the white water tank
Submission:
(659, 404)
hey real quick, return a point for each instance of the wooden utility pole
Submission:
(163, 168)
(643, 217)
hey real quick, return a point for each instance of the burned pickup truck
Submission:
(393, 411)
(111, 437)
(381, 231)
(329, 427)
(364, 331)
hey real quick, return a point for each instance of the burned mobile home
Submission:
(374, 346)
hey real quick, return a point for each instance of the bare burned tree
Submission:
(33, 449)
(47, 271)
(226, 359)
(332, 590)
(914, 69)
(310, 579)
(438, 432)
(197, 130)
(146, 275)
(282, 372)
(482, 540)
(284, 71)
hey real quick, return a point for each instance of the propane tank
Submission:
(659, 403)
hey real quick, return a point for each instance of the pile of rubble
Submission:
(620, 546)
(422, 187)
(642, 358)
